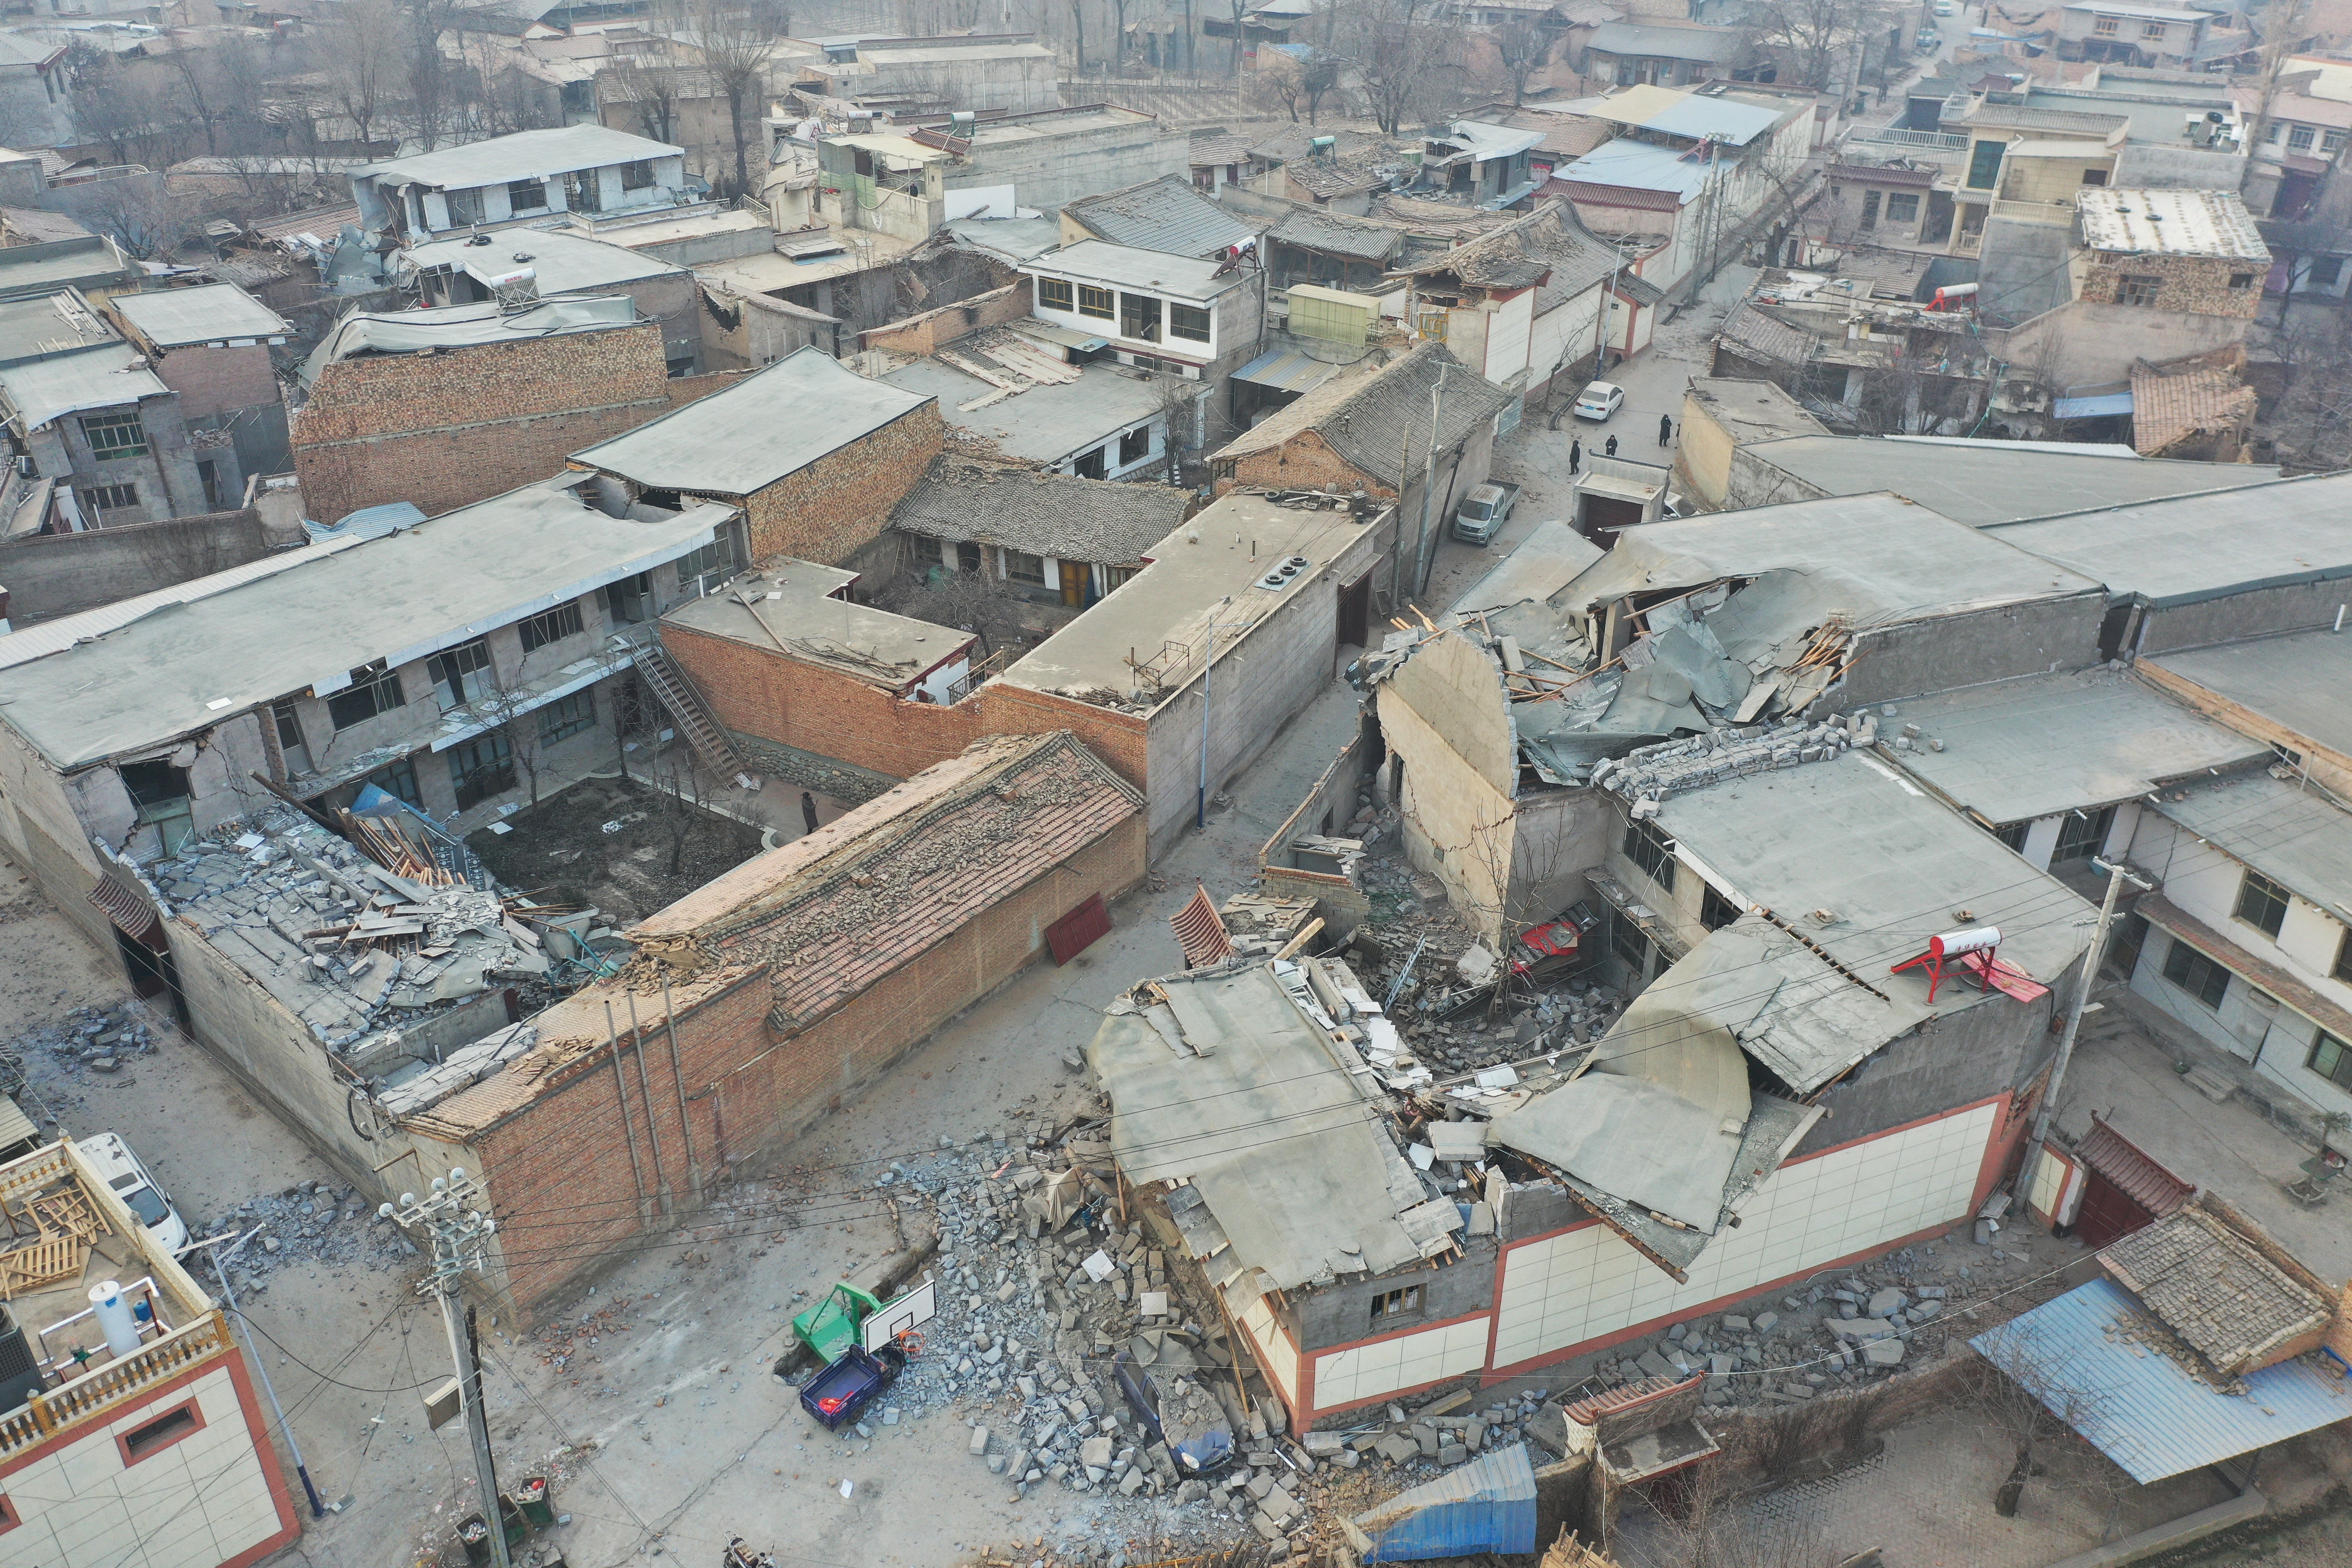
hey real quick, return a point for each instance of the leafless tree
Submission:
(1813, 39)
(1405, 58)
(650, 87)
(106, 106)
(1521, 47)
(732, 40)
(2033, 1395)
(431, 95)
(1279, 83)
(361, 61)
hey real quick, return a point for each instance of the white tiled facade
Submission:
(1587, 1283)
(205, 1500)
(1403, 1360)
(1276, 1353)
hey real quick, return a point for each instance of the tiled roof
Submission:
(1058, 515)
(1609, 195)
(1212, 147)
(1167, 214)
(2168, 409)
(1549, 244)
(1765, 338)
(2215, 1290)
(1294, 142)
(1420, 216)
(1380, 422)
(1341, 176)
(1331, 234)
(835, 912)
(2141, 1179)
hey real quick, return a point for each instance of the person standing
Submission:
(1575, 454)
(1610, 449)
(808, 810)
(1665, 429)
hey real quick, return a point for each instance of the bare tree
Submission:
(1813, 39)
(732, 40)
(1278, 83)
(106, 107)
(430, 97)
(2033, 1394)
(1405, 60)
(650, 88)
(362, 60)
(1521, 47)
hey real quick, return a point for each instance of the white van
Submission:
(134, 1184)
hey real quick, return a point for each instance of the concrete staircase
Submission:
(686, 704)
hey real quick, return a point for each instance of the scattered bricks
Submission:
(1266, 1526)
(1397, 1449)
(1801, 1390)
(1925, 1311)
(1131, 1483)
(1885, 1303)
(1735, 1324)
(996, 1464)
(1930, 1292)
(1324, 1443)
(979, 1440)
(1722, 1365)
(1094, 1453)
(1767, 1321)
(1260, 1483)
(1006, 1291)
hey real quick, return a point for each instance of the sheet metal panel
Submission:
(1487, 1505)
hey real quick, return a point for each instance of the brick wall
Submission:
(2194, 285)
(213, 381)
(830, 509)
(921, 334)
(1302, 461)
(559, 1172)
(449, 428)
(811, 707)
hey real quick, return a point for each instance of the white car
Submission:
(138, 1189)
(1599, 400)
(1943, 8)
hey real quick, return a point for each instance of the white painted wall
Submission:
(1404, 1361)
(1276, 1354)
(198, 1503)
(1508, 331)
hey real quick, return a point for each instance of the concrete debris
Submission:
(1651, 774)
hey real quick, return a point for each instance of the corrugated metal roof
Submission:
(1487, 1505)
(1164, 214)
(1287, 370)
(2082, 1357)
(2102, 406)
(2121, 1161)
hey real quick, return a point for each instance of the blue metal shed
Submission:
(1487, 1505)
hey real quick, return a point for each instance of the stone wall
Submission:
(832, 509)
(2192, 285)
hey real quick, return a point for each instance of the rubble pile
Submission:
(87, 1039)
(307, 1225)
(1650, 774)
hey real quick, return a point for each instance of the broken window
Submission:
(567, 716)
(1870, 209)
(1652, 851)
(630, 599)
(1135, 445)
(550, 626)
(1714, 910)
(2082, 834)
(2014, 834)
(924, 551)
(111, 497)
(1902, 207)
(1138, 317)
(465, 207)
(1404, 1303)
(2197, 975)
(291, 740)
(968, 557)
(2331, 1058)
(1089, 465)
(398, 780)
(481, 767)
(1022, 567)
(2262, 903)
(1053, 294)
(460, 675)
(374, 690)
(113, 436)
(160, 791)
(526, 195)
(707, 568)
(1188, 321)
(1631, 945)
(2135, 289)
(1093, 301)
(637, 176)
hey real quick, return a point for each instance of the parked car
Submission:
(1928, 41)
(139, 1190)
(1945, 7)
(1599, 400)
(1484, 511)
(1201, 1443)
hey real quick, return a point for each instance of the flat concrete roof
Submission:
(1981, 483)
(564, 263)
(214, 313)
(1185, 587)
(1049, 423)
(2303, 682)
(2290, 834)
(2170, 223)
(522, 155)
(689, 224)
(1124, 266)
(188, 666)
(771, 423)
(2204, 547)
(792, 611)
(772, 273)
(2024, 749)
(108, 377)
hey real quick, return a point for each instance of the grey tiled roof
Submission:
(1331, 234)
(1045, 514)
(1166, 214)
(1380, 422)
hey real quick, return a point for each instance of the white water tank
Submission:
(114, 1319)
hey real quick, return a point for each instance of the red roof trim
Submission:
(2141, 1179)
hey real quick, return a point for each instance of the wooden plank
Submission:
(978, 371)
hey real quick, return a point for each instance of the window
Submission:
(2123, 948)
(2105, 26)
(630, 599)
(567, 716)
(1089, 464)
(1093, 301)
(2241, 281)
(1138, 317)
(2299, 139)
(1404, 1303)
(1135, 445)
(2137, 290)
(2331, 141)
(1902, 207)
(2196, 973)
(113, 436)
(465, 207)
(707, 567)
(2272, 131)
(460, 675)
(637, 176)
(1053, 294)
(526, 195)
(2151, 30)
(8, 1519)
(1714, 910)
(1120, 574)
(374, 690)
(398, 780)
(1629, 944)
(2014, 834)
(2095, 176)
(1189, 322)
(150, 1438)
(968, 557)
(2082, 835)
(160, 791)
(2262, 903)
(2331, 1058)
(1652, 851)
(552, 625)
(1023, 567)
(2325, 271)
(1984, 166)
(481, 767)
(111, 497)
(1870, 209)
(924, 551)
(2343, 970)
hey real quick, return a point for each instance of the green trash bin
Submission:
(532, 1497)
(516, 1525)
(474, 1535)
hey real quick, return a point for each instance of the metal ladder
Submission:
(686, 704)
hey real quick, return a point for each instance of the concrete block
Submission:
(1733, 1324)
(1094, 1453)
(1767, 1321)
(979, 1440)
(1653, 1364)
(1885, 1303)
(1426, 1438)
(1324, 1443)
(1883, 1353)
(1258, 1485)
(1397, 1449)
(1452, 1454)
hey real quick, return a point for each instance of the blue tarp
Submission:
(2106, 405)
(368, 522)
(1487, 1505)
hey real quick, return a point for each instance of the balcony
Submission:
(96, 1393)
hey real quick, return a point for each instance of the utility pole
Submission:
(457, 1232)
(220, 1268)
(1428, 484)
(2117, 875)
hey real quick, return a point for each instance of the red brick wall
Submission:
(449, 428)
(807, 706)
(1302, 461)
(559, 1173)
(825, 511)
(921, 334)
(218, 381)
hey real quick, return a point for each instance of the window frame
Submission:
(2268, 900)
(1005, 565)
(450, 670)
(2313, 276)
(537, 187)
(1978, 166)
(628, 601)
(388, 778)
(574, 713)
(189, 1409)
(1057, 294)
(552, 625)
(698, 566)
(9, 1518)
(2186, 961)
(371, 681)
(2105, 26)
(1102, 304)
(1630, 945)
(98, 497)
(1140, 440)
(1133, 323)
(492, 771)
(1714, 910)
(1650, 851)
(100, 452)
(639, 176)
(1181, 319)
(2082, 836)
(2138, 290)
(2151, 32)
(1405, 1302)
(1902, 215)
(2340, 1074)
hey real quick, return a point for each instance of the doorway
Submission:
(1356, 612)
(148, 960)
(1073, 582)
